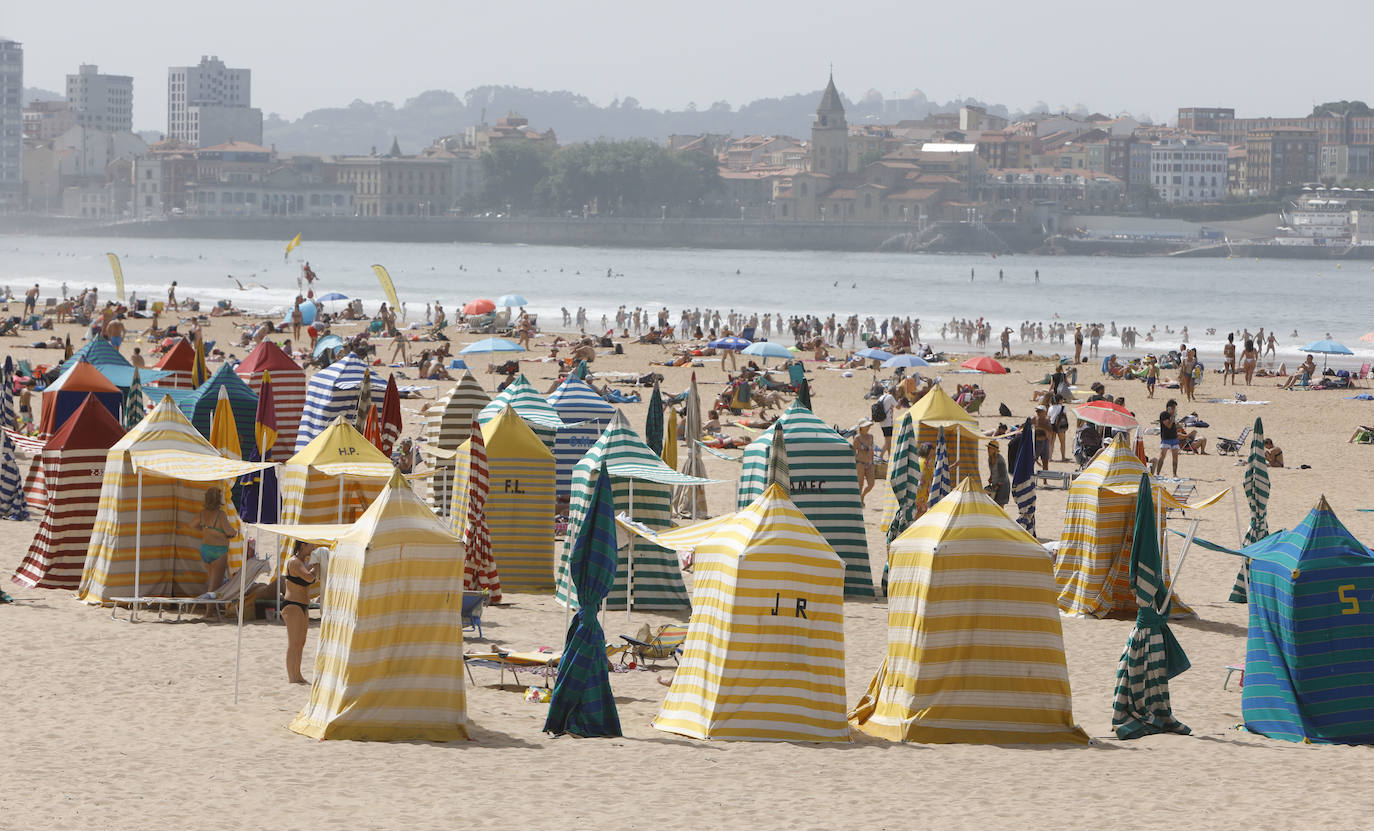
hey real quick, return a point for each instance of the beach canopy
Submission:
(764, 655)
(690, 501)
(975, 650)
(69, 391)
(520, 394)
(447, 426)
(731, 343)
(178, 363)
(511, 300)
(905, 361)
(479, 572)
(102, 354)
(873, 353)
(767, 349)
(984, 364)
(73, 463)
(143, 543)
(200, 405)
(333, 392)
(333, 478)
(288, 391)
(480, 306)
(1106, 414)
(1327, 347)
(486, 345)
(1310, 651)
(584, 414)
(824, 486)
(936, 409)
(390, 661)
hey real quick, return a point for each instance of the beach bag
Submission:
(877, 413)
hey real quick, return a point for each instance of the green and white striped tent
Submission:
(446, 428)
(633, 467)
(825, 486)
(528, 404)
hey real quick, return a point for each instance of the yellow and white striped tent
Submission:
(764, 655)
(447, 426)
(975, 651)
(520, 501)
(389, 666)
(1092, 564)
(144, 542)
(935, 410)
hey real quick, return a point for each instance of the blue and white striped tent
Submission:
(1309, 664)
(585, 415)
(333, 392)
(530, 406)
(825, 486)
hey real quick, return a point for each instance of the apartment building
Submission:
(11, 124)
(101, 102)
(210, 104)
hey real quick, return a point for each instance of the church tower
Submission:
(830, 134)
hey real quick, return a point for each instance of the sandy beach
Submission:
(118, 725)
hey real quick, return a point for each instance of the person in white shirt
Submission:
(889, 403)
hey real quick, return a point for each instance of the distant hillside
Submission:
(36, 94)
(361, 126)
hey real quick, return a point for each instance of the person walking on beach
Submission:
(215, 535)
(864, 445)
(889, 405)
(1228, 359)
(1151, 375)
(295, 607)
(1248, 359)
(1168, 437)
(172, 304)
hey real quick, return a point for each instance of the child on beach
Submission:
(1151, 376)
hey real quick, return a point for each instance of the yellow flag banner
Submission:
(118, 275)
(388, 287)
(291, 246)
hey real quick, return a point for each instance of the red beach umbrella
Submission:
(985, 364)
(1107, 414)
(480, 306)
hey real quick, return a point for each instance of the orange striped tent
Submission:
(179, 362)
(288, 391)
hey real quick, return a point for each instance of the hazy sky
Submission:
(1144, 58)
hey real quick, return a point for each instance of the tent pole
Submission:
(630, 557)
(1235, 505)
(1183, 555)
(138, 547)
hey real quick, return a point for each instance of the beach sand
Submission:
(117, 725)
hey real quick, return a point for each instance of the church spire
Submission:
(830, 99)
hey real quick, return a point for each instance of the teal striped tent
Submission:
(825, 486)
(632, 466)
(199, 405)
(101, 354)
(585, 414)
(1309, 664)
(529, 405)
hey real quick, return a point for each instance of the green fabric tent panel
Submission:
(521, 395)
(825, 487)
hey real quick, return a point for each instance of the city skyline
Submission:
(1184, 55)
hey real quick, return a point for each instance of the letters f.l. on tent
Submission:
(74, 466)
(764, 655)
(1309, 665)
(975, 650)
(390, 661)
(288, 391)
(825, 487)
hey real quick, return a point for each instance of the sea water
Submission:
(1313, 298)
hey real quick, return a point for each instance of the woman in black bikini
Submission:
(295, 607)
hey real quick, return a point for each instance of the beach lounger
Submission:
(1053, 476)
(542, 663)
(1232, 669)
(656, 645)
(473, 604)
(223, 597)
(1226, 446)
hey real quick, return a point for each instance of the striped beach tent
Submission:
(825, 486)
(528, 404)
(97, 351)
(519, 502)
(585, 414)
(12, 504)
(74, 466)
(288, 391)
(691, 501)
(764, 655)
(448, 425)
(1309, 664)
(143, 542)
(1255, 483)
(975, 650)
(641, 483)
(390, 661)
(179, 362)
(334, 478)
(479, 572)
(69, 391)
(935, 410)
(330, 393)
(200, 405)
(1094, 555)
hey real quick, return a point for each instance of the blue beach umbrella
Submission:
(732, 343)
(509, 300)
(1327, 347)
(903, 361)
(766, 349)
(333, 295)
(874, 354)
(487, 345)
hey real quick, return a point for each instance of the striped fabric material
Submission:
(669, 454)
(1152, 656)
(199, 406)
(12, 503)
(825, 487)
(330, 393)
(97, 351)
(1023, 478)
(389, 666)
(64, 395)
(936, 409)
(582, 702)
(1093, 562)
(135, 403)
(519, 502)
(764, 655)
(940, 484)
(690, 500)
(585, 414)
(160, 556)
(180, 362)
(1256, 486)
(288, 391)
(904, 480)
(1309, 666)
(479, 571)
(529, 405)
(975, 650)
(449, 424)
(391, 416)
(657, 576)
(74, 464)
(778, 472)
(653, 421)
(334, 478)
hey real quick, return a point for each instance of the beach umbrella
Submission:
(1367, 337)
(265, 421)
(1325, 348)
(364, 397)
(480, 306)
(258, 494)
(331, 296)
(669, 454)
(582, 702)
(67, 349)
(904, 361)
(488, 345)
(874, 354)
(765, 350)
(940, 484)
(134, 408)
(690, 500)
(1152, 655)
(804, 393)
(327, 343)
(509, 300)
(653, 422)
(1107, 414)
(200, 372)
(12, 502)
(372, 427)
(391, 416)
(778, 473)
(1023, 478)
(1255, 483)
(731, 343)
(985, 364)
(479, 572)
(224, 434)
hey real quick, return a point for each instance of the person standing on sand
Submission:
(889, 403)
(1168, 437)
(1078, 343)
(1248, 358)
(172, 304)
(295, 607)
(864, 445)
(999, 483)
(31, 300)
(1272, 347)
(1151, 375)
(1228, 359)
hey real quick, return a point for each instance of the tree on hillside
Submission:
(1351, 108)
(513, 173)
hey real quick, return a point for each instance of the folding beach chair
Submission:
(656, 645)
(1225, 446)
(473, 604)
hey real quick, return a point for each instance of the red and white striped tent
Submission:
(180, 361)
(288, 391)
(73, 462)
